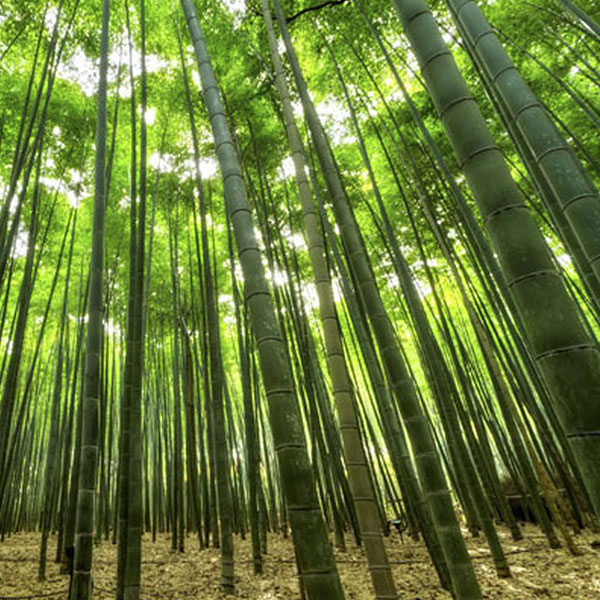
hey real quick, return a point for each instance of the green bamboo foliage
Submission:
(580, 15)
(26, 165)
(315, 557)
(7, 406)
(86, 495)
(28, 141)
(564, 352)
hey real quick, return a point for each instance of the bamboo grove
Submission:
(298, 267)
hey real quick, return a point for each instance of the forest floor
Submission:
(538, 571)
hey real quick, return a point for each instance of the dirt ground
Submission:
(538, 572)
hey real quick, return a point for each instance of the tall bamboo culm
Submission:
(314, 552)
(567, 357)
(462, 575)
(86, 493)
(356, 463)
